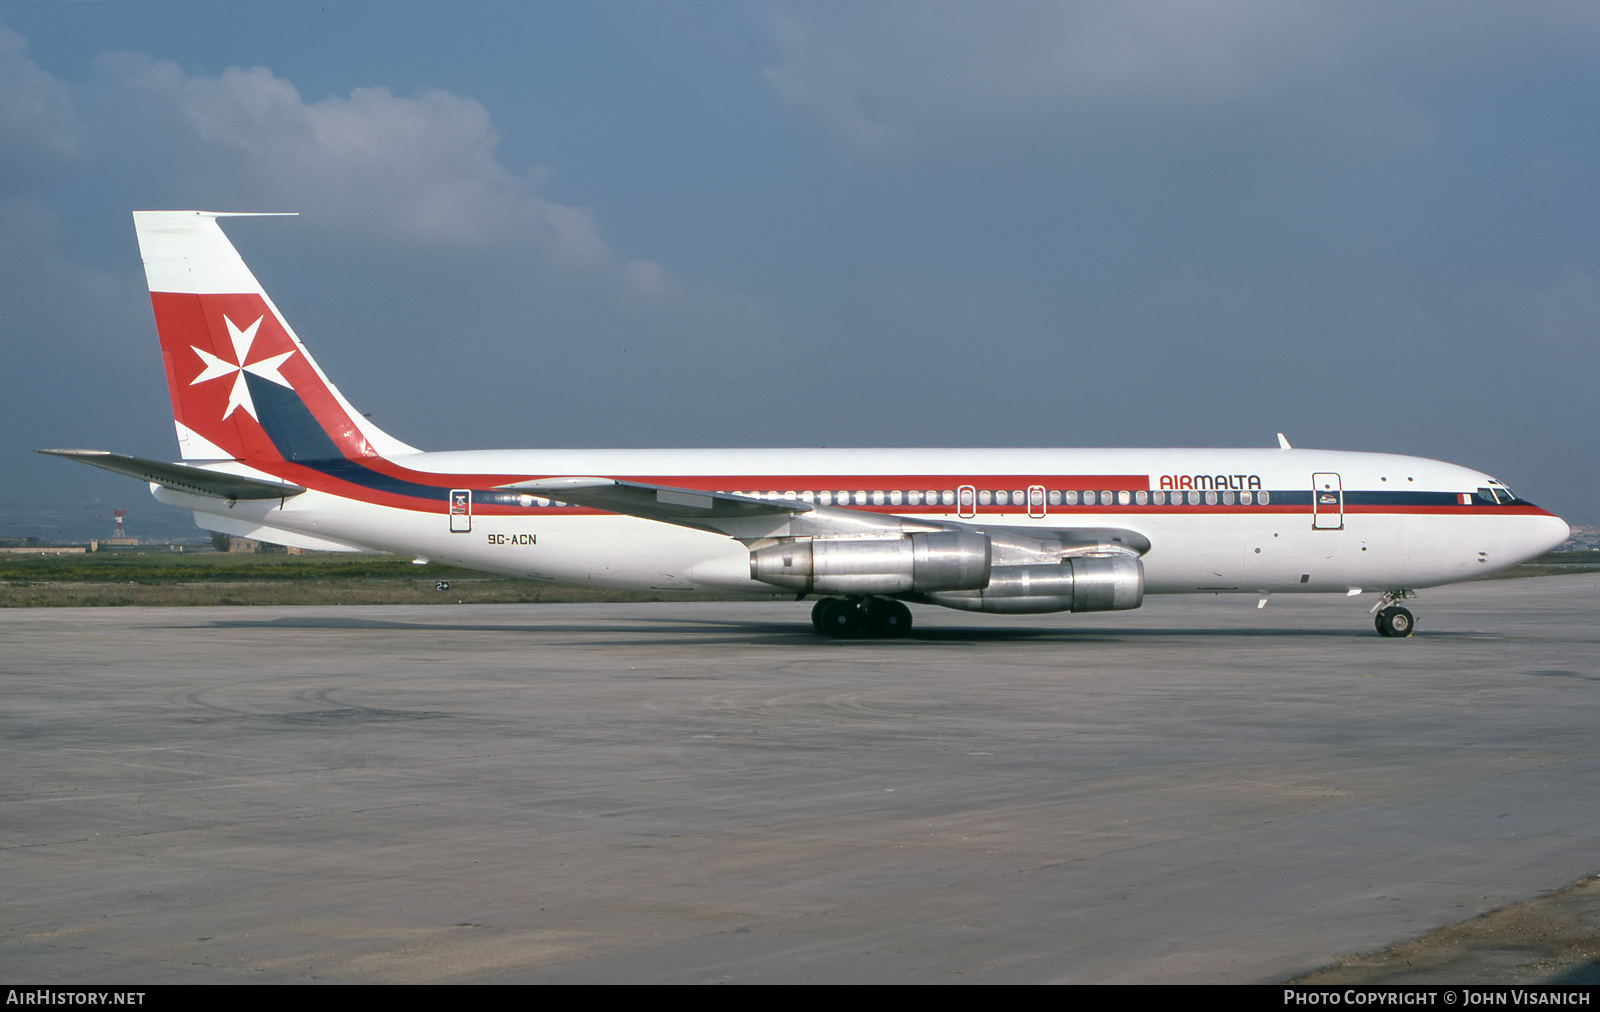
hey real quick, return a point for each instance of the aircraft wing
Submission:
(1061, 542)
(722, 512)
(750, 519)
(184, 477)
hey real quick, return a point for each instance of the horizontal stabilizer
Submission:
(184, 477)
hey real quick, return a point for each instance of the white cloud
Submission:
(410, 169)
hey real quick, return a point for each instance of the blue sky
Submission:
(1371, 226)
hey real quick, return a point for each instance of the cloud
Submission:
(887, 74)
(416, 170)
(36, 116)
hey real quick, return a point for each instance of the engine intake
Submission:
(1113, 583)
(915, 563)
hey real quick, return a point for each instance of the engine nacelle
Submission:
(915, 563)
(1113, 583)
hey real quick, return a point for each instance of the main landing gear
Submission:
(845, 618)
(1391, 619)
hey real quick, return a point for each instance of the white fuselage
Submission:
(1387, 521)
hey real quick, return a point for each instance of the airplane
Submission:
(271, 450)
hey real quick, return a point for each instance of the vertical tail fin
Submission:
(243, 387)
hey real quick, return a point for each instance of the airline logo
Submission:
(239, 380)
(217, 368)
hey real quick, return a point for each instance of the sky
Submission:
(1370, 226)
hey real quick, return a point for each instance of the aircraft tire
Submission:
(842, 620)
(816, 613)
(888, 618)
(1395, 622)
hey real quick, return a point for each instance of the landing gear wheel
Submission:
(841, 619)
(1396, 622)
(888, 619)
(816, 613)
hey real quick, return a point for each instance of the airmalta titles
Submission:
(1203, 482)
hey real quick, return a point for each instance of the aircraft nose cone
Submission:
(1554, 530)
(1533, 536)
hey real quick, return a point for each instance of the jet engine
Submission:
(914, 563)
(1102, 583)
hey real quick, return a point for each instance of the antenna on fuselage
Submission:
(1283, 442)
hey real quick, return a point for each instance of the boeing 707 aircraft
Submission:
(271, 450)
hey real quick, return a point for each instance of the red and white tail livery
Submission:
(272, 450)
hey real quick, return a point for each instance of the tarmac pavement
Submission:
(1197, 791)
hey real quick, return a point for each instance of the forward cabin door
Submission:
(1327, 502)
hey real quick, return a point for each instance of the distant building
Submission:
(1584, 537)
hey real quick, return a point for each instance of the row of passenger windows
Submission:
(970, 498)
(1016, 498)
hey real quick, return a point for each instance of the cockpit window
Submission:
(1496, 494)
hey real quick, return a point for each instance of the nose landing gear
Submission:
(1391, 619)
(861, 618)
(1394, 622)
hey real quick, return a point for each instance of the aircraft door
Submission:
(1327, 502)
(461, 511)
